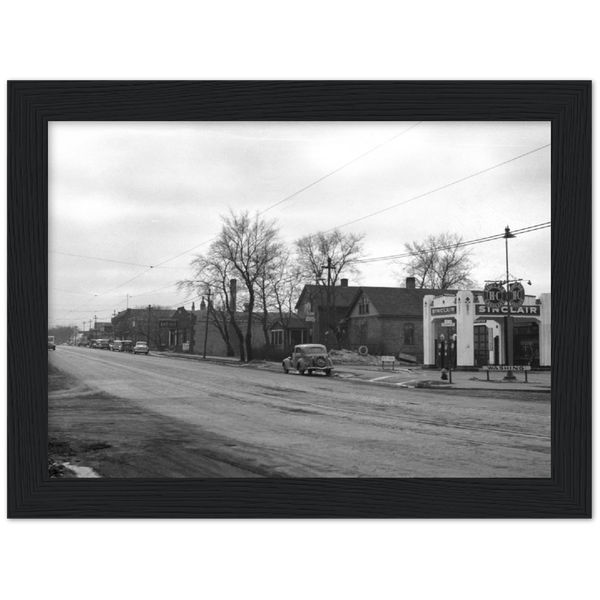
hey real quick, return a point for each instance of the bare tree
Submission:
(323, 257)
(334, 250)
(440, 262)
(246, 249)
(212, 279)
(277, 292)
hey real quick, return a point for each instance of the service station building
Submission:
(476, 332)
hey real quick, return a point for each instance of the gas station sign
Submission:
(494, 295)
(516, 295)
(481, 310)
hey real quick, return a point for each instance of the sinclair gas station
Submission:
(466, 331)
(500, 327)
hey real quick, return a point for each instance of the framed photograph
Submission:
(33, 107)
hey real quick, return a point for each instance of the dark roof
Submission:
(342, 295)
(292, 322)
(395, 302)
(163, 313)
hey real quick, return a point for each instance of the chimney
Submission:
(343, 283)
(411, 283)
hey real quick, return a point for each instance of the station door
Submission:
(480, 345)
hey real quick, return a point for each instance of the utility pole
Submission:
(328, 266)
(206, 326)
(148, 336)
(508, 342)
(193, 324)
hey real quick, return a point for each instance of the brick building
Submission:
(148, 325)
(387, 320)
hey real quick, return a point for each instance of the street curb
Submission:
(356, 378)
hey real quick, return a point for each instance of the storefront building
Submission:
(461, 326)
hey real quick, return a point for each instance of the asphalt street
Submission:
(413, 376)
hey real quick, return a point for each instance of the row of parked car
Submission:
(120, 346)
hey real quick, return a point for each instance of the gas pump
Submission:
(447, 350)
(453, 353)
(440, 354)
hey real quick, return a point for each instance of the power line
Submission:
(121, 262)
(451, 246)
(339, 168)
(160, 265)
(150, 267)
(443, 187)
(303, 189)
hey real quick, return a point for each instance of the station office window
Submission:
(409, 334)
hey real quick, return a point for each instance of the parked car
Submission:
(51, 343)
(141, 348)
(121, 346)
(103, 344)
(307, 358)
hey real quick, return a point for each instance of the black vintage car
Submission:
(308, 358)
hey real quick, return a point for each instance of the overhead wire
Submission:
(443, 187)
(450, 246)
(332, 229)
(160, 265)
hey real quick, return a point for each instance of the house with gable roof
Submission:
(387, 320)
(323, 309)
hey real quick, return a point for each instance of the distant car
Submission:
(103, 344)
(307, 358)
(51, 344)
(121, 346)
(141, 348)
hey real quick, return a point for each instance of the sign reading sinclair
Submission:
(483, 310)
(444, 310)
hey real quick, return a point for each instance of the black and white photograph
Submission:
(303, 337)
(241, 299)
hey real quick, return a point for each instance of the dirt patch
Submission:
(94, 432)
(349, 357)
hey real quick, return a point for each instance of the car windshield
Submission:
(141, 344)
(314, 350)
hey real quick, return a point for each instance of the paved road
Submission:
(145, 416)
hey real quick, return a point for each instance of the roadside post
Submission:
(388, 360)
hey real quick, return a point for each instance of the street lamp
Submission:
(508, 350)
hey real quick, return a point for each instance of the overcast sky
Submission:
(151, 194)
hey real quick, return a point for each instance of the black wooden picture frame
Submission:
(32, 104)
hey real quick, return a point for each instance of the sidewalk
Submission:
(403, 376)
(539, 381)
